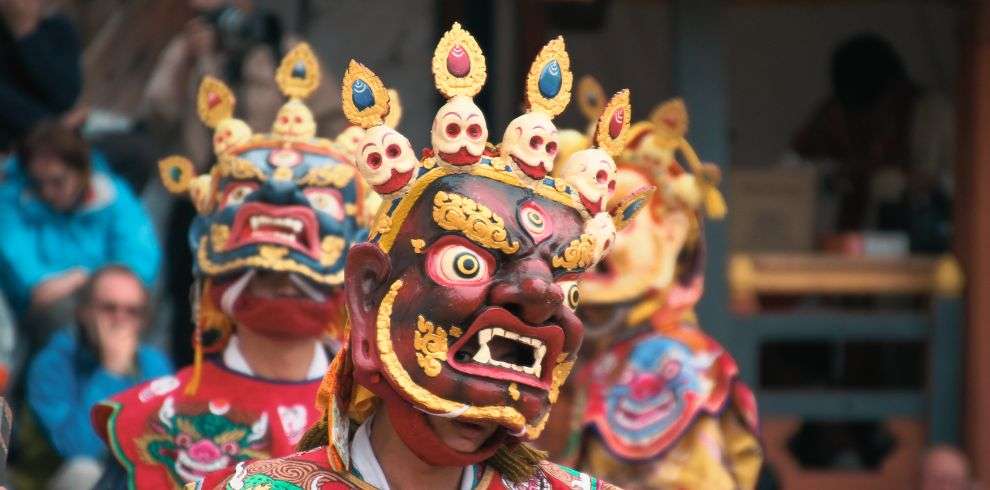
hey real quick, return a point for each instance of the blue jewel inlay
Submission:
(176, 173)
(361, 95)
(631, 210)
(550, 80)
(299, 70)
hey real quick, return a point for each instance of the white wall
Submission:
(778, 60)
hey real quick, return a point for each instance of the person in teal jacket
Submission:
(63, 214)
(97, 357)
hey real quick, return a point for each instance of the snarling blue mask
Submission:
(276, 216)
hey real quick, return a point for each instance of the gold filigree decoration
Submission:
(331, 247)
(214, 101)
(272, 252)
(430, 342)
(454, 212)
(630, 206)
(670, 123)
(552, 51)
(338, 176)
(455, 332)
(176, 173)
(382, 225)
(218, 237)
(579, 254)
(560, 373)
(448, 83)
(359, 79)
(591, 97)
(417, 244)
(239, 168)
(514, 391)
(618, 111)
(287, 77)
(534, 431)
(268, 260)
(424, 398)
(566, 197)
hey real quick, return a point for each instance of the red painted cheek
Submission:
(456, 305)
(447, 306)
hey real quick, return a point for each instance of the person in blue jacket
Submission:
(97, 357)
(63, 213)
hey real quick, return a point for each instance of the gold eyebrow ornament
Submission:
(454, 212)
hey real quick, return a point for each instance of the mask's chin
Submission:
(278, 305)
(415, 431)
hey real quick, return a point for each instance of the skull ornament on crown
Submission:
(663, 250)
(592, 170)
(531, 141)
(383, 155)
(217, 109)
(462, 301)
(349, 139)
(294, 121)
(284, 202)
(459, 134)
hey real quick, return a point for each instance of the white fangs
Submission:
(484, 354)
(290, 228)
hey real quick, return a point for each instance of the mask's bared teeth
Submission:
(541, 351)
(483, 356)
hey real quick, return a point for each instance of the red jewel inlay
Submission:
(458, 62)
(212, 99)
(615, 125)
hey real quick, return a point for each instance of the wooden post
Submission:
(699, 77)
(973, 237)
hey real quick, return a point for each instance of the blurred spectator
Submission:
(242, 45)
(64, 214)
(95, 358)
(945, 468)
(40, 74)
(887, 145)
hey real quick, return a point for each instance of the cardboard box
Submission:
(772, 209)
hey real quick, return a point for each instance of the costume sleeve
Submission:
(743, 450)
(50, 56)
(132, 235)
(52, 382)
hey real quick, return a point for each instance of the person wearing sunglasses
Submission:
(97, 357)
